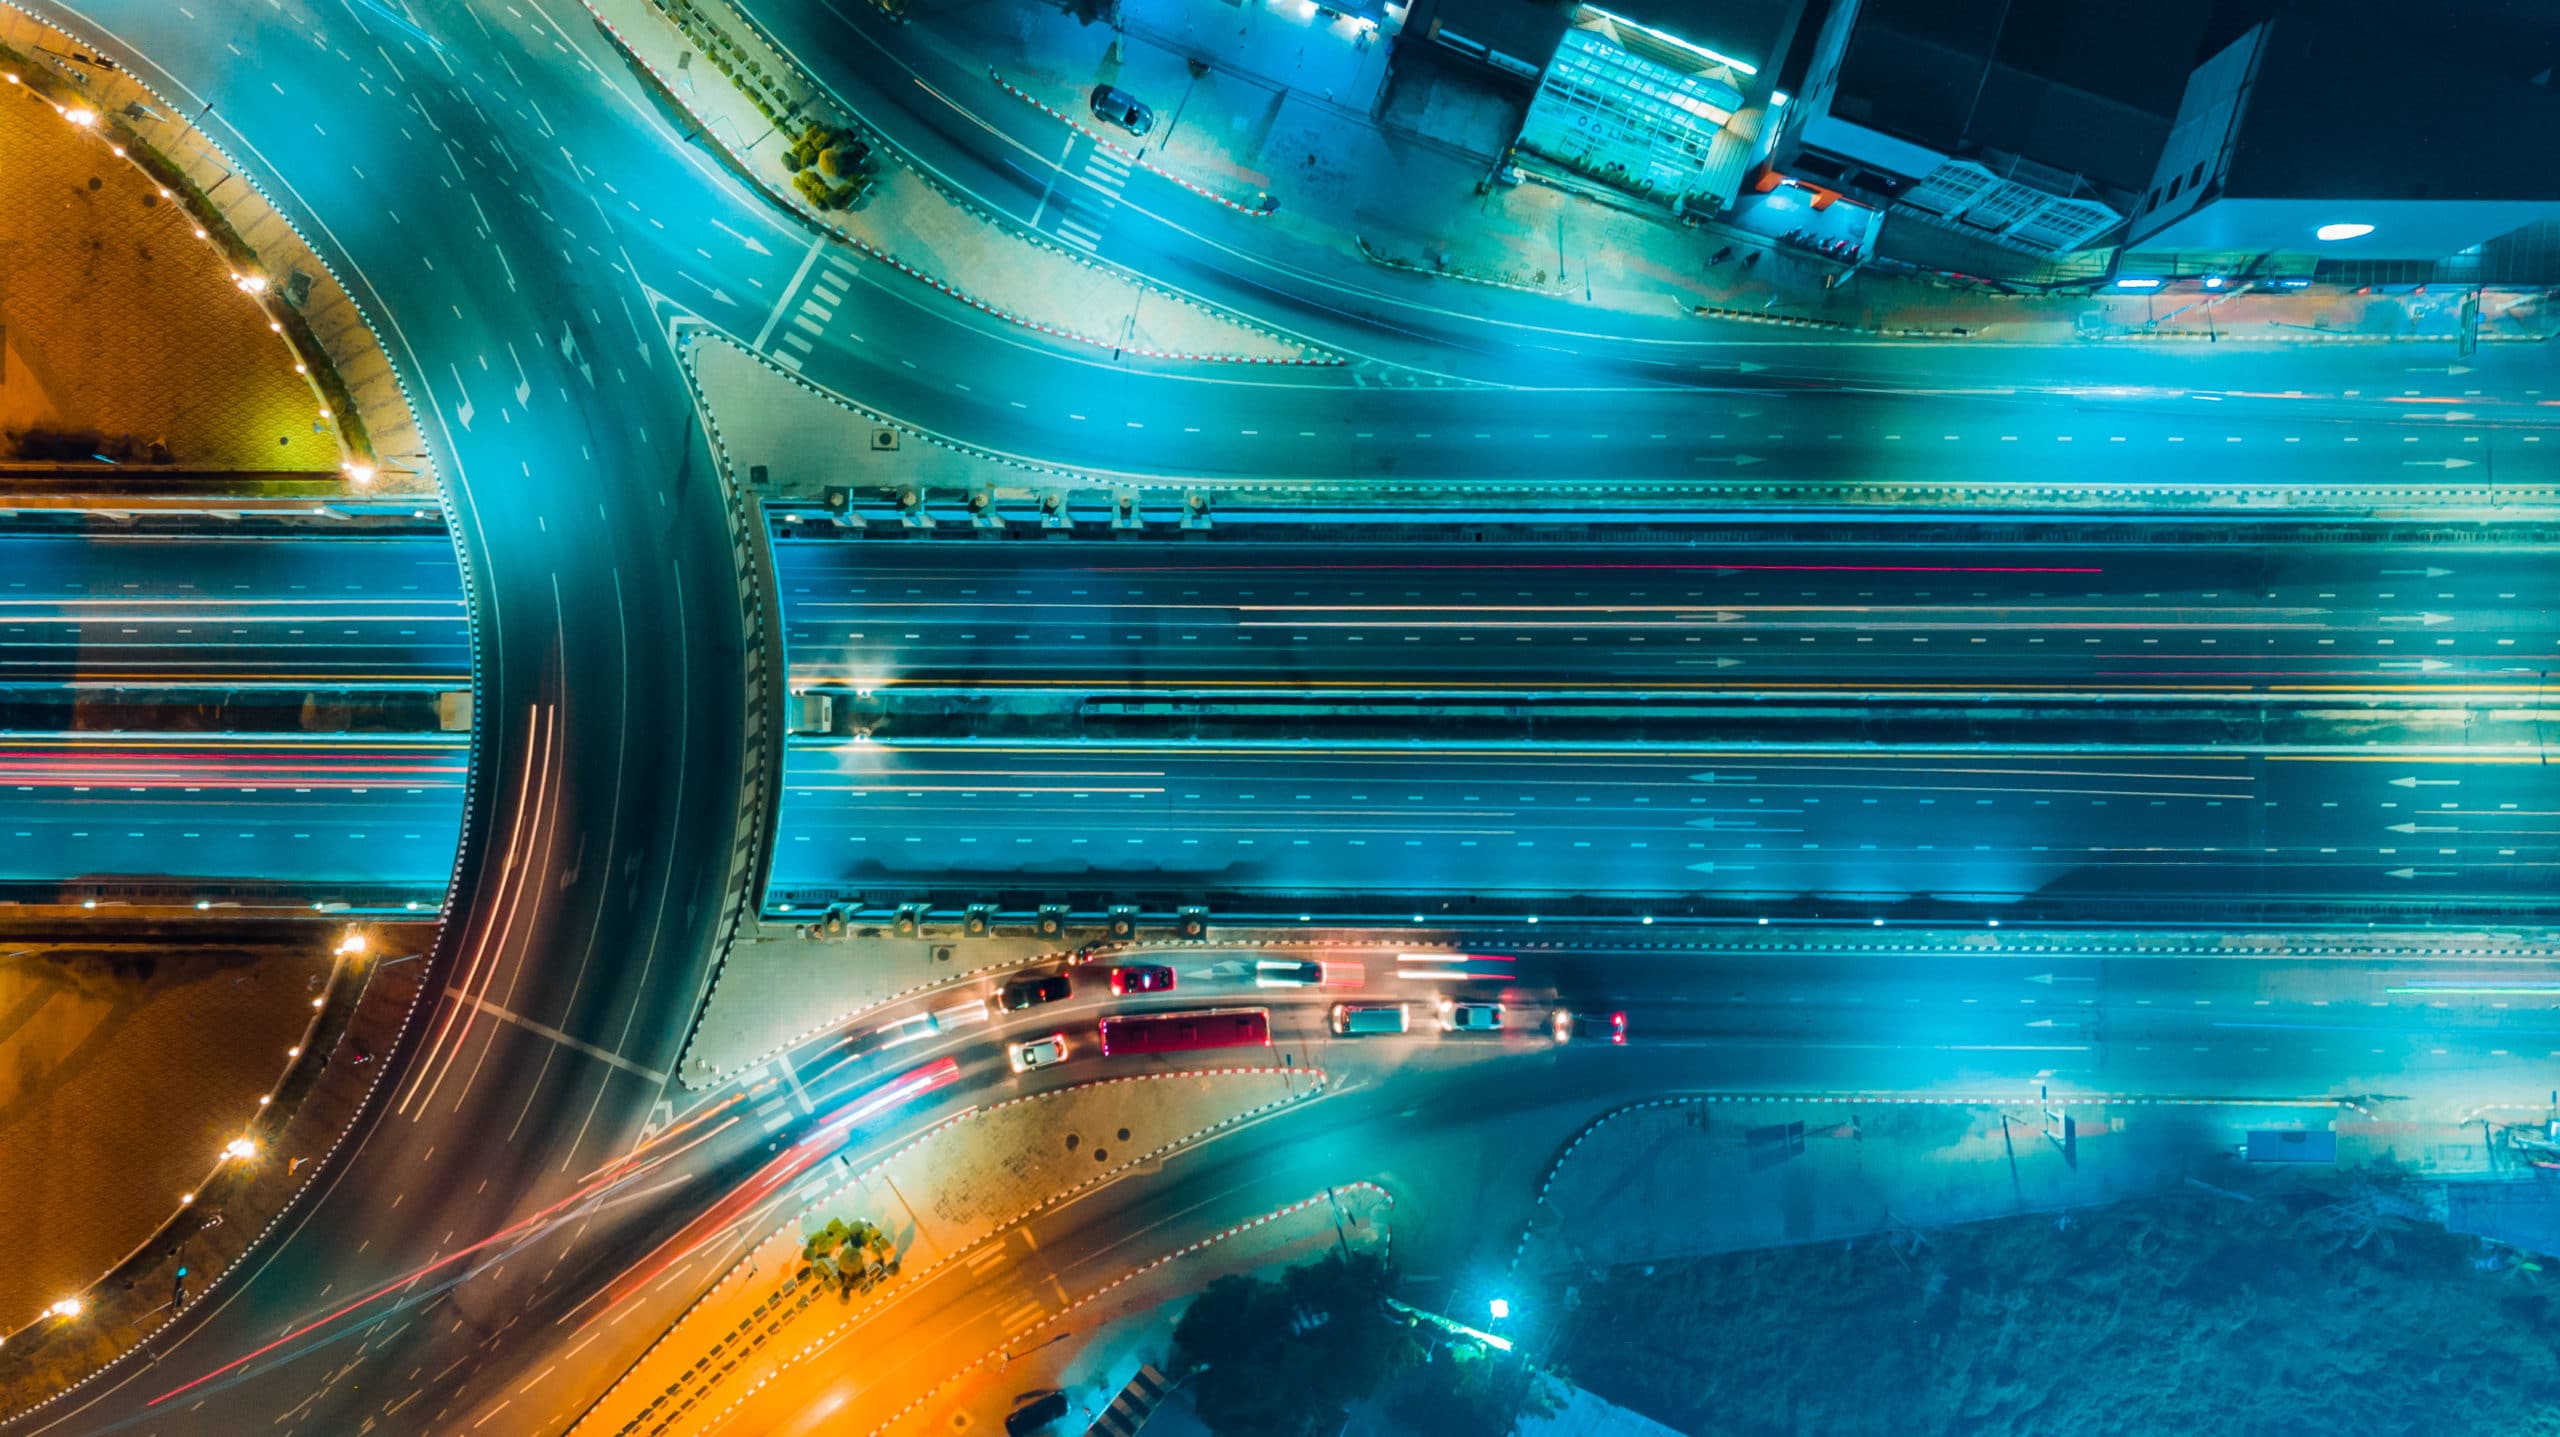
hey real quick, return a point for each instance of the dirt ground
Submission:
(119, 330)
(2309, 1309)
(121, 1077)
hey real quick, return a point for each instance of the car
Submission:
(1354, 1018)
(1287, 973)
(1035, 1412)
(1560, 1023)
(1618, 1029)
(1024, 993)
(1037, 1053)
(1471, 1017)
(1142, 978)
(1123, 109)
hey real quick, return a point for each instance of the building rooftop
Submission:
(2087, 87)
(2351, 106)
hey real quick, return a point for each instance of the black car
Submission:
(1123, 109)
(1024, 993)
(1036, 1413)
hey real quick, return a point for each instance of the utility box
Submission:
(2290, 1145)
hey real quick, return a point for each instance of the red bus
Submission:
(1184, 1032)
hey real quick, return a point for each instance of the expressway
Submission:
(291, 679)
(355, 821)
(2434, 791)
(171, 611)
(524, 224)
(1458, 603)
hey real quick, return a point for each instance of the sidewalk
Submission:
(1388, 197)
(1681, 1178)
(753, 102)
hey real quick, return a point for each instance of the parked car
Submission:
(1142, 978)
(1024, 993)
(1471, 1017)
(1037, 1053)
(1123, 109)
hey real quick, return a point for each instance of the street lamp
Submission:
(354, 944)
(1501, 1308)
(250, 283)
(66, 1309)
(358, 473)
(81, 115)
(240, 1149)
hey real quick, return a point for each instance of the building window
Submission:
(2174, 184)
(2195, 177)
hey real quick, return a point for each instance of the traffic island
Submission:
(261, 1120)
(943, 1203)
(144, 260)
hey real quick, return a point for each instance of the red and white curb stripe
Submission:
(1260, 210)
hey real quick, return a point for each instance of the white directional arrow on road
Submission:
(2057, 978)
(1722, 778)
(2419, 873)
(2417, 573)
(1736, 460)
(2424, 666)
(714, 292)
(2422, 620)
(2440, 369)
(1739, 366)
(2416, 782)
(2435, 463)
(750, 241)
(2420, 828)
(462, 415)
(1720, 867)
(524, 385)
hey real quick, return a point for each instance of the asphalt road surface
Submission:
(368, 821)
(524, 223)
(1726, 608)
(297, 612)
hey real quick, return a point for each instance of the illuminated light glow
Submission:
(67, 1307)
(2138, 283)
(240, 1149)
(1501, 1308)
(81, 115)
(251, 283)
(2346, 231)
(359, 473)
(2213, 281)
(1668, 38)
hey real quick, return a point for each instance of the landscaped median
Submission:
(361, 398)
(943, 1197)
(788, 134)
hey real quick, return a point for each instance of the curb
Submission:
(1262, 211)
(1837, 326)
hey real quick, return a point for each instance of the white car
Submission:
(1038, 1053)
(1471, 1017)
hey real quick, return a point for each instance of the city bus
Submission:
(1186, 1032)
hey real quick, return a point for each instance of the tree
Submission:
(1289, 1358)
(1466, 1389)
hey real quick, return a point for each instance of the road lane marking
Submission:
(545, 1030)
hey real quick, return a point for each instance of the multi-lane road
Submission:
(1282, 724)
(299, 674)
(522, 222)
